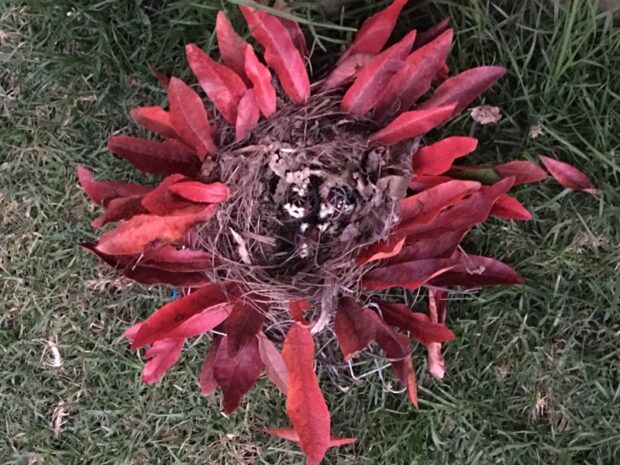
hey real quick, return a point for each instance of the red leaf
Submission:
(437, 310)
(161, 200)
(274, 363)
(231, 45)
(473, 271)
(524, 172)
(463, 88)
(294, 30)
(432, 33)
(354, 328)
(305, 404)
(223, 86)
(118, 209)
(134, 235)
(170, 258)
(196, 191)
(441, 246)
(414, 78)
(346, 70)
(297, 308)
(264, 93)
(189, 118)
(376, 30)
(569, 176)
(419, 325)
(425, 206)
(244, 322)
(413, 124)
(420, 183)
(291, 435)
(371, 81)
(102, 192)
(236, 374)
(247, 116)
(161, 356)
(509, 208)
(154, 119)
(188, 316)
(466, 214)
(437, 158)
(155, 157)
(382, 250)
(280, 52)
(409, 275)
(208, 384)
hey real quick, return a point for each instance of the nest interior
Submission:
(309, 192)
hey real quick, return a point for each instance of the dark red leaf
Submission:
(524, 172)
(376, 30)
(346, 71)
(154, 119)
(162, 201)
(170, 258)
(291, 435)
(274, 363)
(509, 208)
(122, 208)
(414, 78)
(155, 157)
(188, 316)
(236, 374)
(382, 250)
(280, 52)
(371, 81)
(102, 192)
(208, 384)
(473, 271)
(413, 124)
(196, 191)
(245, 322)
(409, 275)
(189, 118)
(432, 33)
(134, 235)
(264, 93)
(354, 327)
(231, 45)
(305, 404)
(248, 115)
(463, 88)
(419, 325)
(161, 356)
(437, 158)
(441, 246)
(223, 86)
(568, 175)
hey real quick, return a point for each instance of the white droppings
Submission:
(294, 211)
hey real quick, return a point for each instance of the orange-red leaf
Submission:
(524, 172)
(231, 45)
(155, 157)
(248, 115)
(296, 308)
(161, 356)
(569, 176)
(463, 88)
(196, 191)
(280, 52)
(415, 77)
(510, 208)
(236, 374)
(101, 192)
(264, 93)
(223, 86)
(154, 119)
(437, 158)
(409, 275)
(413, 124)
(274, 363)
(437, 311)
(291, 435)
(134, 235)
(188, 316)
(189, 118)
(371, 81)
(305, 404)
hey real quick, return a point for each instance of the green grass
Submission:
(533, 377)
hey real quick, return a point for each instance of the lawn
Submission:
(533, 377)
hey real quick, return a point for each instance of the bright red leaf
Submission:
(437, 158)
(524, 171)
(170, 258)
(231, 45)
(162, 201)
(154, 119)
(568, 175)
(291, 435)
(196, 191)
(264, 92)
(101, 192)
(346, 70)
(161, 356)
(510, 208)
(432, 33)
(248, 115)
